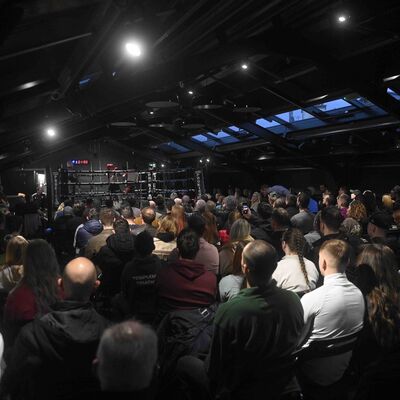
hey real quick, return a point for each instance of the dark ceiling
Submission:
(316, 91)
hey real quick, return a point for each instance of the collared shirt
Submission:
(333, 310)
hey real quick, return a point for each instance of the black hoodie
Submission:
(53, 355)
(111, 259)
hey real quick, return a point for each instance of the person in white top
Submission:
(334, 310)
(294, 272)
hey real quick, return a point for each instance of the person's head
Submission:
(334, 257)
(185, 199)
(291, 200)
(229, 203)
(91, 213)
(79, 209)
(121, 226)
(210, 206)
(127, 212)
(343, 200)
(148, 215)
(107, 216)
(126, 357)
(272, 196)
(387, 202)
(342, 189)
(240, 230)
(169, 203)
(197, 223)
(41, 271)
(79, 279)
(279, 219)
(357, 211)
(15, 250)
(303, 198)
(264, 210)
(237, 257)
(280, 202)
(383, 262)
(200, 206)
(178, 201)
(379, 224)
(167, 225)
(144, 244)
(351, 227)
(255, 197)
(330, 221)
(264, 190)
(259, 261)
(328, 200)
(369, 201)
(188, 244)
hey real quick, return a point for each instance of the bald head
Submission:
(79, 279)
(148, 215)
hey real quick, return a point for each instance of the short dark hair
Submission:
(91, 213)
(169, 203)
(260, 257)
(197, 223)
(331, 217)
(188, 244)
(291, 200)
(109, 203)
(107, 216)
(121, 225)
(281, 217)
(303, 199)
(127, 212)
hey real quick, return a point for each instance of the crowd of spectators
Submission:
(266, 294)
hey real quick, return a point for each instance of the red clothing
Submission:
(186, 284)
(20, 304)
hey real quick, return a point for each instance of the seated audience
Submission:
(12, 271)
(334, 310)
(230, 285)
(165, 240)
(107, 218)
(52, 357)
(240, 231)
(294, 271)
(127, 213)
(36, 292)
(185, 284)
(126, 361)
(139, 281)
(91, 227)
(178, 214)
(148, 217)
(358, 212)
(247, 358)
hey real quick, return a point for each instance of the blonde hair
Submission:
(387, 201)
(168, 225)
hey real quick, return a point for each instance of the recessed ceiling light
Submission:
(190, 92)
(133, 49)
(342, 18)
(244, 66)
(51, 132)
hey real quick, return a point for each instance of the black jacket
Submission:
(52, 356)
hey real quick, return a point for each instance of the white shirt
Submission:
(229, 286)
(288, 274)
(333, 310)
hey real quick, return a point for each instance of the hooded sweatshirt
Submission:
(53, 355)
(111, 259)
(90, 228)
(185, 284)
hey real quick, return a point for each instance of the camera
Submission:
(245, 209)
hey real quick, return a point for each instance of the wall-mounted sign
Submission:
(79, 162)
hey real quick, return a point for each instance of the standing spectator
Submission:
(343, 204)
(255, 201)
(295, 272)
(358, 212)
(280, 222)
(291, 205)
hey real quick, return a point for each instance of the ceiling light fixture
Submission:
(51, 132)
(133, 49)
(342, 18)
(391, 78)
(244, 66)
(190, 92)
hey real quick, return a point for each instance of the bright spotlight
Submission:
(245, 66)
(201, 161)
(208, 160)
(190, 92)
(51, 132)
(162, 165)
(342, 19)
(133, 49)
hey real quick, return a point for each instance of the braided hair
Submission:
(295, 240)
